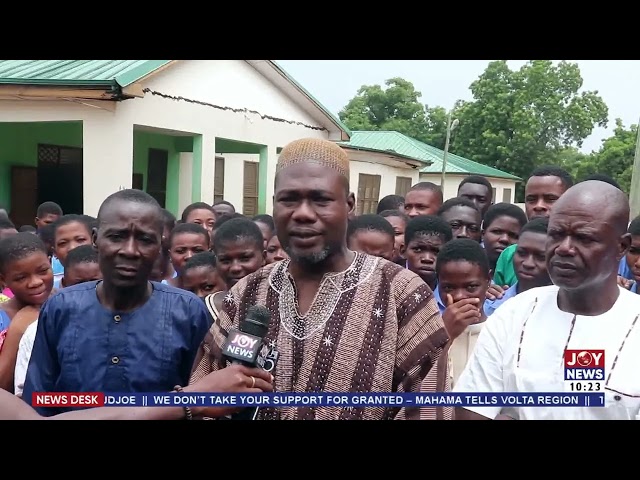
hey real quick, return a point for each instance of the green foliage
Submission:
(517, 120)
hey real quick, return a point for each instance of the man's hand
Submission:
(459, 315)
(496, 292)
(233, 379)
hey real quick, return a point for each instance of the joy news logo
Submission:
(242, 346)
(584, 370)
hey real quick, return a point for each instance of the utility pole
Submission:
(450, 127)
(634, 197)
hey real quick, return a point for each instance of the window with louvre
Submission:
(218, 180)
(506, 195)
(368, 193)
(250, 192)
(403, 185)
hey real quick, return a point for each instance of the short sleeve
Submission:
(484, 370)
(24, 355)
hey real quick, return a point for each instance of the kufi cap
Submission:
(314, 150)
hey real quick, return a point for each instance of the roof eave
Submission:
(60, 92)
(140, 72)
(265, 67)
(412, 162)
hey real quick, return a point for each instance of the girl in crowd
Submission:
(81, 266)
(239, 249)
(200, 275)
(201, 214)
(26, 269)
(69, 232)
(275, 252)
(501, 229)
(185, 240)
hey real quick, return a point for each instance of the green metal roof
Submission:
(80, 73)
(397, 142)
(324, 109)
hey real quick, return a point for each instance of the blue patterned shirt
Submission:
(81, 346)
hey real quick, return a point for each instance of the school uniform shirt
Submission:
(490, 306)
(461, 350)
(58, 269)
(81, 346)
(521, 350)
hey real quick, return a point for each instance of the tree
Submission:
(395, 108)
(615, 157)
(520, 119)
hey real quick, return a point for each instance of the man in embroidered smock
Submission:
(341, 321)
(124, 333)
(521, 347)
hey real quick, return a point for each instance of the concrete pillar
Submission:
(107, 146)
(268, 160)
(185, 184)
(204, 158)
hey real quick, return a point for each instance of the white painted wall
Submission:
(451, 183)
(108, 150)
(388, 176)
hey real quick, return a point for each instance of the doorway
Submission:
(60, 177)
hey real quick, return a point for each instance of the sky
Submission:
(442, 82)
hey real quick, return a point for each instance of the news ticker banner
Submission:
(321, 399)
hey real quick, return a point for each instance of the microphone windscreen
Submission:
(256, 322)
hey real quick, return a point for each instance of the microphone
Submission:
(245, 346)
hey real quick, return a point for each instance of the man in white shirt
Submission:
(521, 348)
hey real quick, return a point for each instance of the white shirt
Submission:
(533, 328)
(461, 349)
(24, 355)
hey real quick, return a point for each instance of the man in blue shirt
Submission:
(124, 333)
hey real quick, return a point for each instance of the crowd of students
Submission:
(473, 255)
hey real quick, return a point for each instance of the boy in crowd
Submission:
(398, 221)
(423, 239)
(463, 280)
(529, 262)
(372, 234)
(424, 198)
(464, 218)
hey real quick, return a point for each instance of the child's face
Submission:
(46, 219)
(399, 227)
(421, 254)
(462, 279)
(529, 260)
(29, 278)
(275, 252)
(184, 246)
(237, 259)
(421, 202)
(204, 217)
(465, 222)
(68, 237)
(81, 272)
(202, 281)
(266, 232)
(633, 257)
(378, 244)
